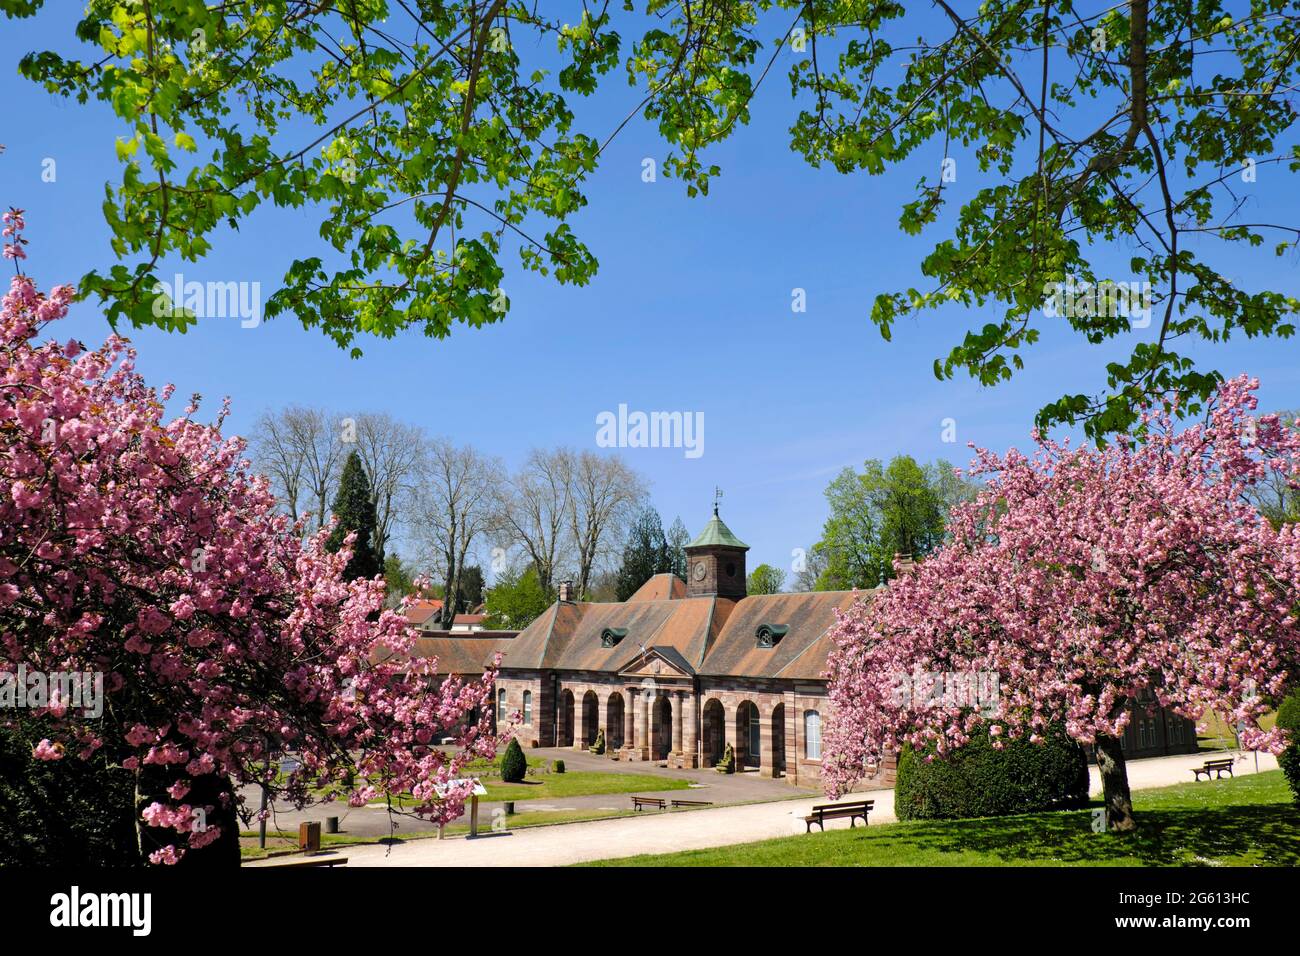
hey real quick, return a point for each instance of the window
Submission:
(528, 707)
(501, 703)
(768, 635)
(1175, 729)
(812, 735)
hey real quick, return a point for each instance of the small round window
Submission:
(731, 570)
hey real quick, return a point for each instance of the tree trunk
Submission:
(1114, 785)
(208, 790)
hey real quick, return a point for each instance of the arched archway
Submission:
(778, 740)
(661, 728)
(614, 721)
(564, 730)
(713, 732)
(749, 730)
(590, 717)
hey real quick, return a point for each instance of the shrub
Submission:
(558, 766)
(513, 765)
(599, 746)
(1288, 718)
(728, 762)
(53, 812)
(979, 781)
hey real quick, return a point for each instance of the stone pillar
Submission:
(645, 741)
(692, 736)
(629, 718)
(766, 753)
(733, 737)
(793, 744)
(602, 716)
(678, 722)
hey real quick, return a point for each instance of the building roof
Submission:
(466, 620)
(420, 611)
(799, 655)
(706, 635)
(462, 654)
(661, 587)
(717, 533)
(571, 636)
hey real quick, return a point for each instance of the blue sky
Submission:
(690, 311)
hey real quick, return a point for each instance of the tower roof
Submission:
(717, 533)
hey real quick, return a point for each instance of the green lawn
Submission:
(1250, 821)
(579, 783)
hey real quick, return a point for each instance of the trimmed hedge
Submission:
(514, 766)
(979, 781)
(63, 812)
(1288, 718)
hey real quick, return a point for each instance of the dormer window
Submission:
(610, 636)
(769, 635)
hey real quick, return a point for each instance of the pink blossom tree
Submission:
(145, 551)
(1083, 578)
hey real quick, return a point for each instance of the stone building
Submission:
(679, 670)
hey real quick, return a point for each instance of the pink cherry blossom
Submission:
(1086, 578)
(211, 668)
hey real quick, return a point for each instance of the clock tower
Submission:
(715, 562)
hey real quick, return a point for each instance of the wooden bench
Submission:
(324, 860)
(640, 802)
(837, 811)
(692, 803)
(1215, 767)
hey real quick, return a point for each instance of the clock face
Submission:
(700, 570)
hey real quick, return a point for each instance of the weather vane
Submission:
(717, 496)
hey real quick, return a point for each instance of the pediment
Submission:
(658, 663)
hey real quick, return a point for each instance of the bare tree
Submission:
(452, 505)
(535, 507)
(604, 496)
(391, 451)
(299, 450)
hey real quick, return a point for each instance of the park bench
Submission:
(639, 802)
(838, 811)
(692, 803)
(1215, 767)
(324, 860)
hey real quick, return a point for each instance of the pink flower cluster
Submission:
(1086, 578)
(12, 233)
(146, 550)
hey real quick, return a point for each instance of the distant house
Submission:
(468, 622)
(423, 614)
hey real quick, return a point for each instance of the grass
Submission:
(1217, 734)
(1250, 821)
(579, 783)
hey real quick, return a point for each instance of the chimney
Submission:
(566, 592)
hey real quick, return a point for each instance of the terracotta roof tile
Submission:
(800, 654)
(463, 654)
(661, 587)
